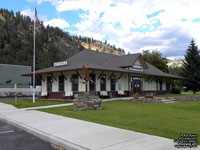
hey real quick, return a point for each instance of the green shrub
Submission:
(136, 94)
(19, 93)
(176, 90)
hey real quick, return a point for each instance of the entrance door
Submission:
(136, 85)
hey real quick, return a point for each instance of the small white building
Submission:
(103, 74)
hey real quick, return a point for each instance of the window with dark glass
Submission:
(103, 82)
(74, 82)
(49, 84)
(61, 83)
(92, 82)
(112, 83)
(160, 85)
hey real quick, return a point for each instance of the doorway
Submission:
(136, 84)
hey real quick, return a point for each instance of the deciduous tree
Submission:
(155, 58)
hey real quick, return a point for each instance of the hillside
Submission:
(175, 63)
(102, 47)
(52, 44)
(175, 66)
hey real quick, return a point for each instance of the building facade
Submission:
(104, 74)
(12, 74)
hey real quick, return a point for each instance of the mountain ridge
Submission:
(52, 44)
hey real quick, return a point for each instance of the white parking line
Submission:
(7, 132)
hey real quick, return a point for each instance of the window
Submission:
(61, 83)
(160, 85)
(49, 84)
(139, 67)
(112, 83)
(103, 82)
(74, 81)
(92, 82)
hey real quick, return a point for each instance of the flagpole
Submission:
(34, 62)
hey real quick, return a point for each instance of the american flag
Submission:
(36, 17)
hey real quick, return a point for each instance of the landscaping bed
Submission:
(178, 95)
(165, 120)
(163, 99)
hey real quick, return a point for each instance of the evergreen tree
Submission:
(191, 68)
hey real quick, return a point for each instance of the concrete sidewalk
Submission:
(48, 106)
(77, 134)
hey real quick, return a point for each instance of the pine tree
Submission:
(191, 69)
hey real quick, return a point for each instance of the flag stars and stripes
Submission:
(36, 17)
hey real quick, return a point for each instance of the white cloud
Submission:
(61, 23)
(171, 37)
(31, 14)
(54, 2)
(28, 12)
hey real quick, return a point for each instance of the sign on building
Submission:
(61, 63)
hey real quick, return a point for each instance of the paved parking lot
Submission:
(12, 138)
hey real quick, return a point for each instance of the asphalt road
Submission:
(12, 138)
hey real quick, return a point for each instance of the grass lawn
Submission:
(178, 95)
(161, 119)
(29, 103)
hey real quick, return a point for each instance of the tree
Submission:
(155, 58)
(191, 68)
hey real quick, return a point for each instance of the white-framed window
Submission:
(138, 67)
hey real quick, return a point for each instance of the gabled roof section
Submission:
(105, 62)
(142, 61)
(126, 60)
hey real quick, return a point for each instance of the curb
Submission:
(44, 136)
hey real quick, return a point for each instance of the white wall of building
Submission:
(97, 80)
(55, 83)
(138, 63)
(123, 82)
(67, 82)
(44, 84)
(82, 84)
(4, 92)
(149, 86)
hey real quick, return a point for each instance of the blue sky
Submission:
(135, 25)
